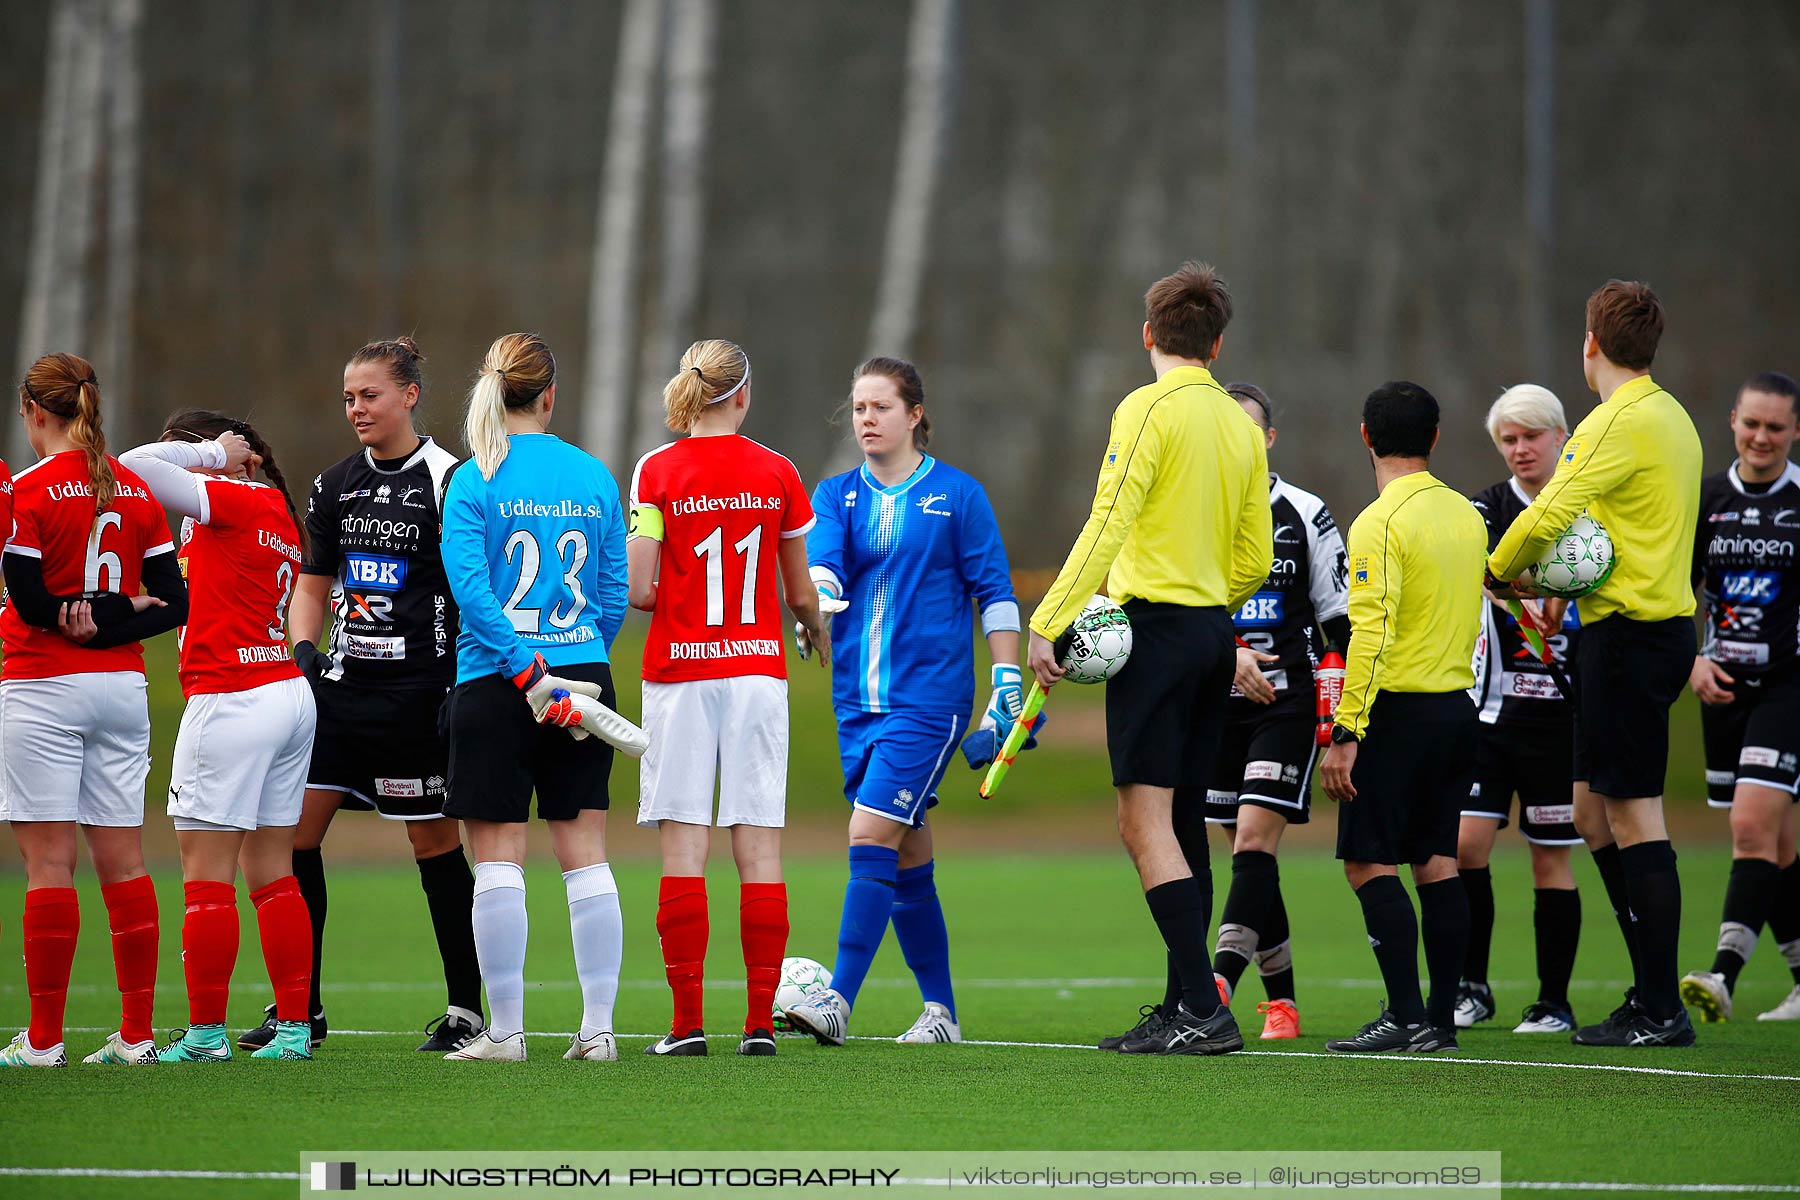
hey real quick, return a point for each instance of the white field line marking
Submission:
(1098, 982)
(1445, 1060)
(1538, 1185)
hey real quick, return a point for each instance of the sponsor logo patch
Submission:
(1750, 653)
(1550, 814)
(1571, 453)
(1720, 778)
(357, 646)
(1759, 756)
(1758, 587)
(1261, 611)
(376, 571)
(1262, 769)
(408, 788)
(1214, 797)
(1359, 572)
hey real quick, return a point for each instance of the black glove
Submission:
(313, 662)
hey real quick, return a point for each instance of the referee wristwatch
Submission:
(1341, 736)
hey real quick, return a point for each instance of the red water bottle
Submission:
(1328, 679)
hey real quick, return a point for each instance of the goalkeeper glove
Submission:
(574, 705)
(831, 602)
(1003, 708)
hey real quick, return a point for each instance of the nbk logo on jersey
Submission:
(1757, 587)
(377, 572)
(1260, 611)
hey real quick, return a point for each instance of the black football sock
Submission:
(1444, 928)
(1274, 956)
(1612, 875)
(1784, 917)
(1556, 919)
(1187, 815)
(309, 873)
(450, 893)
(1183, 910)
(1255, 882)
(1394, 936)
(1749, 895)
(1478, 882)
(1654, 885)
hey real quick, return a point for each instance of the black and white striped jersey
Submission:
(374, 527)
(1747, 567)
(1512, 687)
(1308, 584)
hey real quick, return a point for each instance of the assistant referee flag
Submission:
(1181, 512)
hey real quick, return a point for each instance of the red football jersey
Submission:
(239, 560)
(53, 520)
(723, 504)
(5, 505)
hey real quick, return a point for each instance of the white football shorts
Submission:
(241, 757)
(75, 748)
(734, 730)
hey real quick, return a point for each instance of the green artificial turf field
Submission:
(1051, 952)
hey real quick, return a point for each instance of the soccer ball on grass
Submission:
(1097, 645)
(801, 979)
(1576, 563)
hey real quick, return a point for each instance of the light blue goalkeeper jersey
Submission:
(536, 558)
(909, 559)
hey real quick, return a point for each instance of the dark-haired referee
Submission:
(1180, 532)
(1634, 465)
(1402, 753)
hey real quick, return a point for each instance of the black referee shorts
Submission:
(1413, 771)
(499, 755)
(1627, 675)
(1166, 708)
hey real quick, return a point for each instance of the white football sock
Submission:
(598, 932)
(500, 932)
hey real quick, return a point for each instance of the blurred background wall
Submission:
(218, 200)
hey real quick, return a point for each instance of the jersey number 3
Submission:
(712, 549)
(573, 546)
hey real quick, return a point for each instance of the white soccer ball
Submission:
(1576, 563)
(801, 979)
(1100, 642)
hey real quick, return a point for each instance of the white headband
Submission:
(734, 391)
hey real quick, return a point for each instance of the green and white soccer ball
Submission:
(1577, 562)
(801, 979)
(1099, 642)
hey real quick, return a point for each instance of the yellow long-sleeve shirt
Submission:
(1181, 512)
(1415, 595)
(1633, 465)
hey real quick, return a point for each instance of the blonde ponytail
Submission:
(711, 371)
(514, 376)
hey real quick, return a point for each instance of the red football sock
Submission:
(52, 921)
(286, 929)
(131, 911)
(681, 921)
(763, 924)
(209, 948)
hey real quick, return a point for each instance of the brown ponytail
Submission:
(64, 386)
(203, 424)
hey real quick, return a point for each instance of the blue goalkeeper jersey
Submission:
(909, 559)
(536, 558)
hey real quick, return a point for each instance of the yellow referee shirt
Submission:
(1633, 465)
(1415, 595)
(1181, 513)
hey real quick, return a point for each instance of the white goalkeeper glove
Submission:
(574, 705)
(831, 602)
